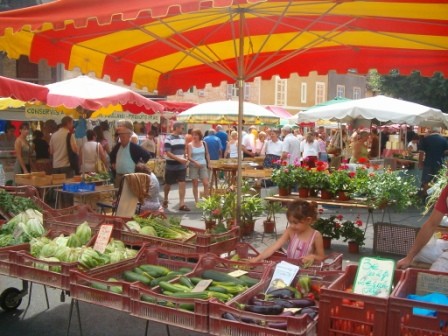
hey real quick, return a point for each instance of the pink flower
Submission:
(358, 222)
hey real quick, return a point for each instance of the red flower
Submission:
(284, 163)
(343, 167)
(352, 174)
(340, 217)
(321, 210)
(358, 222)
(337, 225)
(362, 160)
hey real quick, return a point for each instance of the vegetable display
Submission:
(22, 228)
(14, 204)
(73, 248)
(168, 228)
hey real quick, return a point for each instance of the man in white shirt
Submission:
(248, 142)
(290, 147)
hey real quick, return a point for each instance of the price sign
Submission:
(202, 285)
(103, 237)
(237, 273)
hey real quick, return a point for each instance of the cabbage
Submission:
(115, 256)
(48, 250)
(6, 239)
(149, 231)
(74, 241)
(130, 253)
(84, 233)
(133, 226)
(35, 227)
(36, 245)
(63, 253)
(61, 240)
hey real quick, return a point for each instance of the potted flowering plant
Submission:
(330, 228)
(283, 177)
(251, 207)
(211, 210)
(341, 180)
(352, 232)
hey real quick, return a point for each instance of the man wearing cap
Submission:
(126, 154)
(176, 165)
(290, 146)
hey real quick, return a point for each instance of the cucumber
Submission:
(195, 280)
(155, 270)
(221, 277)
(190, 295)
(248, 281)
(148, 298)
(218, 289)
(167, 277)
(185, 270)
(98, 285)
(183, 280)
(133, 277)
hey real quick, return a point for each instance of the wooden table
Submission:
(359, 204)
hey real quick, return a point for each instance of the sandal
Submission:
(184, 208)
(165, 204)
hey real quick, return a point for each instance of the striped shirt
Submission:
(176, 145)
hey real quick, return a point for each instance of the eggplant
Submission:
(248, 320)
(281, 293)
(278, 325)
(312, 313)
(229, 316)
(301, 303)
(284, 303)
(265, 310)
(260, 300)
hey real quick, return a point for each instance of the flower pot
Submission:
(269, 226)
(353, 247)
(284, 191)
(210, 224)
(247, 228)
(325, 194)
(304, 192)
(230, 223)
(343, 196)
(313, 192)
(327, 242)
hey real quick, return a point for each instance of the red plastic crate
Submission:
(24, 267)
(402, 320)
(199, 319)
(80, 282)
(6, 257)
(202, 242)
(295, 325)
(80, 214)
(345, 313)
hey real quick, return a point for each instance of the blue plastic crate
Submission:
(78, 187)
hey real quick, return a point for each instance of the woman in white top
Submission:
(199, 159)
(309, 148)
(23, 151)
(273, 151)
(260, 144)
(90, 152)
(232, 146)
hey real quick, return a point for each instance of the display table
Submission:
(359, 204)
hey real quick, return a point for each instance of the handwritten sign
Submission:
(202, 285)
(103, 237)
(237, 273)
(429, 283)
(374, 277)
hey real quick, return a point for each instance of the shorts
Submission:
(175, 176)
(198, 173)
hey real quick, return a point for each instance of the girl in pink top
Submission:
(305, 243)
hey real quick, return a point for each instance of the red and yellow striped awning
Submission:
(167, 45)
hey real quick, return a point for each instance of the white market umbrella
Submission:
(381, 108)
(225, 112)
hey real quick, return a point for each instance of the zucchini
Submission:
(168, 277)
(187, 306)
(98, 285)
(195, 280)
(183, 280)
(248, 281)
(133, 277)
(221, 277)
(190, 295)
(218, 289)
(166, 286)
(155, 270)
(148, 298)
(185, 270)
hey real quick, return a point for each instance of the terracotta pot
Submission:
(343, 196)
(230, 223)
(284, 191)
(313, 192)
(247, 228)
(353, 247)
(210, 224)
(304, 192)
(325, 194)
(269, 226)
(327, 242)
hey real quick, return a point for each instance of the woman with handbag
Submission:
(92, 156)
